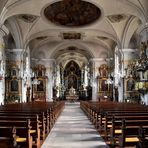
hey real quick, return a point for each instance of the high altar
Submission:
(72, 95)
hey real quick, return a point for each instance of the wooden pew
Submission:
(130, 131)
(42, 119)
(35, 124)
(117, 125)
(101, 115)
(20, 136)
(47, 115)
(110, 120)
(143, 137)
(7, 137)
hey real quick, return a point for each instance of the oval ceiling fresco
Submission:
(72, 13)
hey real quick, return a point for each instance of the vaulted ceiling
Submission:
(73, 29)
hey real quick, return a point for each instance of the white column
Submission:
(3, 32)
(85, 76)
(58, 80)
(25, 74)
(119, 73)
(95, 63)
(2, 72)
(82, 76)
(49, 84)
(49, 63)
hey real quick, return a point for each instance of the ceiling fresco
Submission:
(72, 13)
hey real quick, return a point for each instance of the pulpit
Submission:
(72, 95)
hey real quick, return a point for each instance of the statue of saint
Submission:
(72, 91)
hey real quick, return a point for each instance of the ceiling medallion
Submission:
(117, 18)
(28, 18)
(72, 13)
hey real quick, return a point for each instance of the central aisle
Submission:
(73, 130)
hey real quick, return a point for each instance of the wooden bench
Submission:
(35, 124)
(116, 129)
(110, 120)
(7, 137)
(42, 116)
(130, 132)
(101, 115)
(143, 137)
(18, 136)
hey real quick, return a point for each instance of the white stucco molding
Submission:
(3, 31)
(15, 50)
(143, 28)
(97, 59)
(129, 50)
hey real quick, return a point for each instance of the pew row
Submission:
(42, 118)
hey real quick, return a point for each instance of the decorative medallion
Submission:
(72, 13)
(28, 18)
(117, 18)
(71, 36)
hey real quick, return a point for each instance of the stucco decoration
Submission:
(27, 18)
(117, 18)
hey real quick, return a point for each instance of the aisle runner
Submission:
(73, 130)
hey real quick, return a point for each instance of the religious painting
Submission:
(72, 81)
(40, 86)
(14, 85)
(103, 86)
(130, 84)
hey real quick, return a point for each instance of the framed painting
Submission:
(14, 86)
(40, 86)
(130, 84)
(103, 86)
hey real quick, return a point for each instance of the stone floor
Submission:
(73, 130)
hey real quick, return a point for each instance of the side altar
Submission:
(71, 95)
